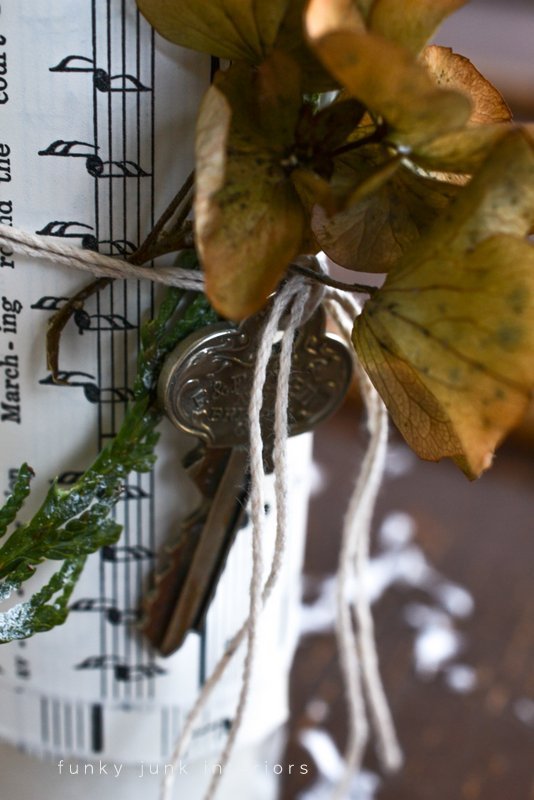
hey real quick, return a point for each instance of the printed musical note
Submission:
(69, 149)
(114, 169)
(92, 604)
(94, 165)
(68, 64)
(67, 230)
(133, 493)
(124, 82)
(128, 553)
(49, 303)
(122, 671)
(100, 322)
(109, 609)
(122, 247)
(103, 81)
(92, 392)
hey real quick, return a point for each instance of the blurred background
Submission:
(452, 572)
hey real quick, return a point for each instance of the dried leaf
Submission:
(249, 218)
(327, 129)
(291, 39)
(463, 151)
(460, 152)
(448, 340)
(453, 71)
(244, 30)
(410, 23)
(392, 84)
(380, 225)
(240, 30)
(329, 16)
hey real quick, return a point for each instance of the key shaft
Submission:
(186, 588)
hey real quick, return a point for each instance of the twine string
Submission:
(102, 266)
(354, 621)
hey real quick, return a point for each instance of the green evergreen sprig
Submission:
(75, 522)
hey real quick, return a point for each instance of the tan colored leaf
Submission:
(410, 23)
(392, 84)
(448, 340)
(460, 151)
(329, 16)
(291, 39)
(312, 189)
(455, 368)
(500, 198)
(277, 87)
(364, 7)
(249, 219)
(373, 233)
(463, 151)
(454, 71)
(225, 28)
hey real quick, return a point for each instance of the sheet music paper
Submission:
(96, 126)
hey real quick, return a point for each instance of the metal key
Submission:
(205, 387)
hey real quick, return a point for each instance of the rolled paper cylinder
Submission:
(96, 138)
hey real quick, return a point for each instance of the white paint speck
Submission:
(318, 479)
(317, 711)
(434, 647)
(400, 461)
(330, 767)
(455, 599)
(402, 563)
(397, 530)
(461, 678)
(524, 711)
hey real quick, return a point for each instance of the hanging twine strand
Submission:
(47, 247)
(300, 295)
(297, 292)
(362, 680)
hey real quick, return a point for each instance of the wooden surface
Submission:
(458, 746)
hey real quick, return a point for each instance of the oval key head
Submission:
(206, 382)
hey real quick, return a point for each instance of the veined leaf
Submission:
(463, 151)
(392, 84)
(410, 23)
(329, 16)
(448, 340)
(244, 30)
(392, 208)
(460, 152)
(453, 71)
(240, 30)
(249, 219)
(291, 40)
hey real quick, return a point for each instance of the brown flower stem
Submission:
(144, 252)
(375, 137)
(59, 320)
(157, 243)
